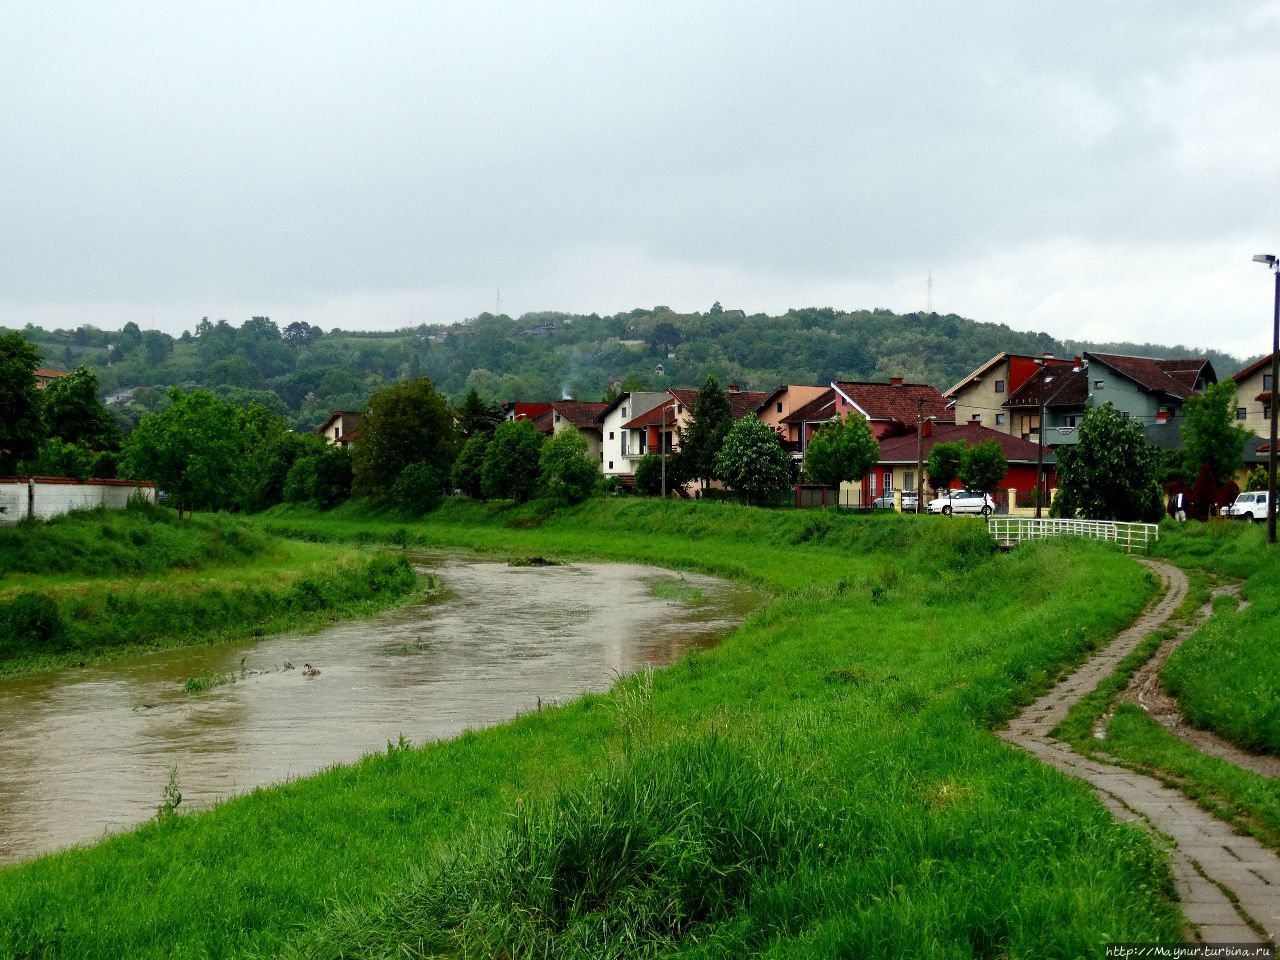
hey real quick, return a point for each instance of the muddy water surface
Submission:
(88, 751)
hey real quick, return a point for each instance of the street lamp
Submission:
(1045, 380)
(1271, 261)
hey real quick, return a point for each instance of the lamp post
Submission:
(662, 447)
(1045, 380)
(1274, 263)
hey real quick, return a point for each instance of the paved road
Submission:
(1212, 864)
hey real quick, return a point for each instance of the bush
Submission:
(567, 474)
(30, 619)
(648, 477)
(417, 490)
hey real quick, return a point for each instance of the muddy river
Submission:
(88, 751)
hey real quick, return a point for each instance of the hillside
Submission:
(305, 373)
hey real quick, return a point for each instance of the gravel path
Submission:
(1229, 883)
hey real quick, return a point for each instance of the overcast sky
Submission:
(1094, 170)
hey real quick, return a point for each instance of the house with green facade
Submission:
(1148, 389)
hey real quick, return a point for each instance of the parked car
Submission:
(963, 501)
(885, 502)
(1248, 506)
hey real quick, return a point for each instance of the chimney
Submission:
(1077, 361)
(895, 381)
(734, 388)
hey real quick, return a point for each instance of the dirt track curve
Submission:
(1212, 864)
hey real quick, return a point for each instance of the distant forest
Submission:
(303, 372)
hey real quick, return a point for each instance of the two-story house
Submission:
(776, 407)
(1253, 397)
(341, 428)
(980, 397)
(579, 415)
(622, 445)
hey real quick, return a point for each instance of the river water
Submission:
(88, 751)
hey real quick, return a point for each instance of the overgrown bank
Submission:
(824, 783)
(115, 583)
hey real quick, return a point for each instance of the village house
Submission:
(45, 376)
(623, 445)
(898, 465)
(776, 407)
(980, 397)
(342, 427)
(1253, 397)
(577, 415)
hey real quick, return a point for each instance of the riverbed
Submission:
(85, 752)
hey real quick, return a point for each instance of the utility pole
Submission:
(662, 445)
(920, 445)
(1044, 380)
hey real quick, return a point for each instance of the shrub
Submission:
(417, 490)
(30, 619)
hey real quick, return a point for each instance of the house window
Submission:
(610, 434)
(888, 481)
(999, 419)
(1125, 415)
(624, 413)
(1266, 412)
(557, 418)
(779, 406)
(909, 481)
(1097, 384)
(977, 418)
(610, 463)
(1070, 421)
(999, 386)
(624, 442)
(1241, 413)
(679, 409)
(1266, 381)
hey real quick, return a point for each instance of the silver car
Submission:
(885, 502)
(963, 501)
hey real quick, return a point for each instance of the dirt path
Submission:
(1229, 884)
(1146, 691)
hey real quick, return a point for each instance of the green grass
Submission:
(208, 580)
(1227, 676)
(824, 783)
(208, 681)
(1214, 668)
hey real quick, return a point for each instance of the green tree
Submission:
(1258, 478)
(982, 466)
(700, 441)
(648, 475)
(1111, 473)
(468, 469)
(841, 452)
(73, 413)
(20, 426)
(512, 462)
(476, 416)
(403, 424)
(418, 489)
(333, 476)
(752, 462)
(1210, 433)
(567, 474)
(944, 463)
(191, 450)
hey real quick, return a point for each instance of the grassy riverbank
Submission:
(824, 783)
(113, 583)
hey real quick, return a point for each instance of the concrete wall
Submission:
(52, 496)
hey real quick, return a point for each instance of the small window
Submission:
(977, 418)
(1266, 412)
(1266, 381)
(1241, 413)
(1071, 421)
(624, 413)
(779, 406)
(610, 464)
(1125, 415)
(908, 480)
(610, 434)
(557, 418)
(999, 419)
(679, 409)
(999, 386)
(1097, 384)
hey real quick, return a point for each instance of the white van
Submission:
(1248, 506)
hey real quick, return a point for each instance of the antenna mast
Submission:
(930, 285)
(498, 298)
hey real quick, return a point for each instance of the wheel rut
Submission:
(1229, 884)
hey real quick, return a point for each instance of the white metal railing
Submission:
(1009, 531)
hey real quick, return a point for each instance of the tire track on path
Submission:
(1229, 883)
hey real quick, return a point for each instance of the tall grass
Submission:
(824, 783)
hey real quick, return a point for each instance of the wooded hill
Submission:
(304, 373)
